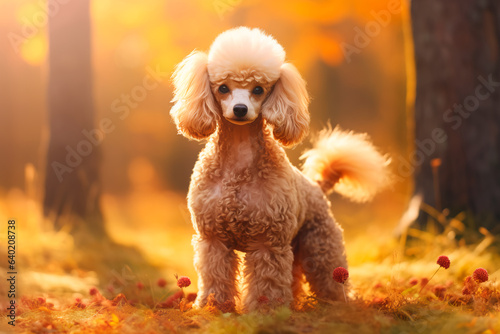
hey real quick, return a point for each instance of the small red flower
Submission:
(161, 282)
(468, 281)
(183, 282)
(439, 290)
(79, 304)
(119, 299)
(480, 275)
(191, 297)
(414, 281)
(340, 274)
(173, 300)
(465, 291)
(424, 281)
(443, 261)
(93, 291)
(139, 285)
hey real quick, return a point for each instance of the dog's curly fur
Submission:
(245, 195)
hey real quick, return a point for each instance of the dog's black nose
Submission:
(240, 110)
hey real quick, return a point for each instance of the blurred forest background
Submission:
(424, 89)
(146, 166)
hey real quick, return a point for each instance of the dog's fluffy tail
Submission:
(347, 163)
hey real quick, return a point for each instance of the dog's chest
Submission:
(244, 208)
(247, 198)
(239, 198)
(241, 209)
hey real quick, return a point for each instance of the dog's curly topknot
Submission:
(242, 53)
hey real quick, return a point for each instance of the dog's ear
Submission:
(195, 110)
(286, 107)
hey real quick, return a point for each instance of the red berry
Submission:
(93, 291)
(161, 282)
(183, 282)
(424, 281)
(480, 275)
(340, 274)
(439, 290)
(443, 261)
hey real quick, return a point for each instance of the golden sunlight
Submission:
(34, 50)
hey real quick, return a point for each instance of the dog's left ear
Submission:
(286, 108)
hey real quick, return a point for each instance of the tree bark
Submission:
(457, 91)
(72, 185)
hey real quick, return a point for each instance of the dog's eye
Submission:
(258, 90)
(223, 89)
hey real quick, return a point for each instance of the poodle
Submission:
(244, 193)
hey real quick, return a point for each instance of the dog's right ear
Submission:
(195, 110)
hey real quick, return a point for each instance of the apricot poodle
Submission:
(245, 195)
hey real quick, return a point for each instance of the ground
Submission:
(126, 283)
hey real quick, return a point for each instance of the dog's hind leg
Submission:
(321, 250)
(298, 275)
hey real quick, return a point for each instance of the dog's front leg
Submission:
(217, 267)
(268, 276)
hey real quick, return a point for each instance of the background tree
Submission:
(71, 188)
(457, 107)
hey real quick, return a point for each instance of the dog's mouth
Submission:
(239, 121)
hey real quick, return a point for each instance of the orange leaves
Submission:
(173, 300)
(327, 46)
(364, 13)
(215, 307)
(121, 316)
(115, 321)
(322, 12)
(120, 299)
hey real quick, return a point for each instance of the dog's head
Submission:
(244, 75)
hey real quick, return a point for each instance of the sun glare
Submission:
(34, 50)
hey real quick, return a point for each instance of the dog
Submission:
(244, 194)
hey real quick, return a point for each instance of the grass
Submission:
(103, 286)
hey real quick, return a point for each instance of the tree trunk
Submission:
(457, 107)
(72, 185)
